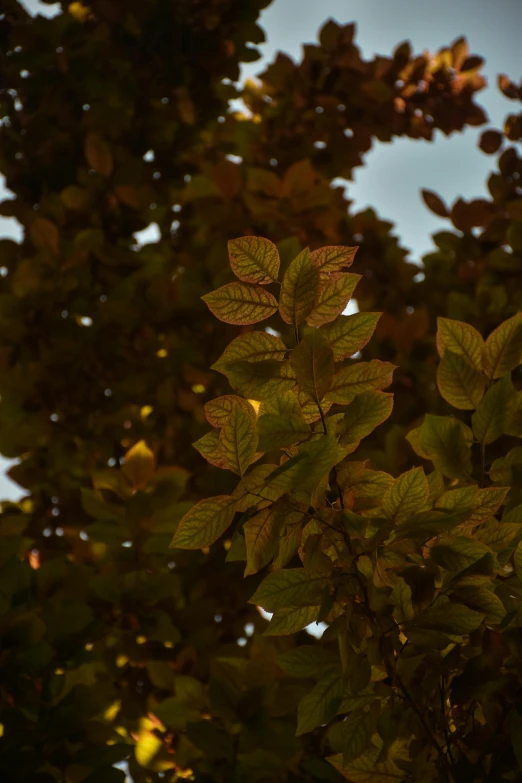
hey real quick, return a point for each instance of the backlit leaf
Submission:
(356, 378)
(261, 537)
(299, 289)
(238, 441)
(462, 339)
(282, 404)
(333, 258)
(364, 414)
(290, 587)
(350, 333)
(204, 523)
(335, 292)
(260, 380)
(217, 411)
(446, 441)
(457, 554)
(291, 620)
(406, 496)
(241, 303)
(493, 413)
(320, 705)
(503, 349)
(279, 431)
(459, 382)
(254, 259)
(313, 364)
(139, 465)
(208, 447)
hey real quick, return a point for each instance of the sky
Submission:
(394, 173)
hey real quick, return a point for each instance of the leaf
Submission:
(282, 404)
(459, 382)
(406, 496)
(350, 333)
(45, 235)
(451, 618)
(513, 425)
(335, 292)
(493, 413)
(313, 364)
(484, 503)
(204, 523)
(364, 414)
(218, 411)
(503, 349)
(360, 377)
(280, 431)
(238, 441)
(504, 470)
(461, 338)
(98, 154)
(357, 730)
(291, 620)
(401, 600)
(291, 587)
(299, 289)
(435, 203)
(446, 441)
(251, 347)
(262, 537)
(367, 768)
(333, 258)
(457, 554)
(320, 705)
(208, 447)
(260, 380)
(254, 259)
(240, 303)
(307, 661)
(483, 600)
(139, 465)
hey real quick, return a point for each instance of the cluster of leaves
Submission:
(114, 116)
(417, 577)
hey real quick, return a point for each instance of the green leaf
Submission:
(313, 364)
(483, 503)
(260, 380)
(291, 620)
(175, 714)
(451, 618)
(204, 523)
(460, 338)
(282, 404)
(307, 661)
(356, 733)
(208, 447)
(218, 411)
(280, 431)
(299, 289)
(241, 304)
(251, 347)
(357, 378)
(320, 705)
(139, 465)
(254, 259)
(482, 600)
(333, 258)
(406, 496)
(446, 441)
(350, 333)
(494, 412)
(364, 414)
(503, 349)
(457, 554)
(238, 441)
(367, 768)
(261, 538)
(290, 587)
(459, 382)
(335, 292)
(513, 425)
(504, 470)
(401, 600)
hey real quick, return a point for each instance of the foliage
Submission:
(114, 117)
(417, 577)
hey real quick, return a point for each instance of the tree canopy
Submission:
(114, 646)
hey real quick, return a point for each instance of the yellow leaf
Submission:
(459, 382)
(406, 496)
(204, 523)
(241, 304)
(350, 333)
(238, 441)
(218, 411)
(147, 747)
(334, 294)
(333, 258)
(357, 378)
(461, 338)
(98, 154)
(254, 259)
(261, 538)
(299, 289)
(139, 465)
(80, 12)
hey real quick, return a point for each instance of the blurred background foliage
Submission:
(131, 170)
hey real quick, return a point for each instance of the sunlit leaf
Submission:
(218, 411)
(254, 259)
(208, 447)
(503, 349)
(357, 378)
(241, 303)
(299, 289)
(459, 382)
(335, 292)
(204, 523)
(139, 465)
(350, 333)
